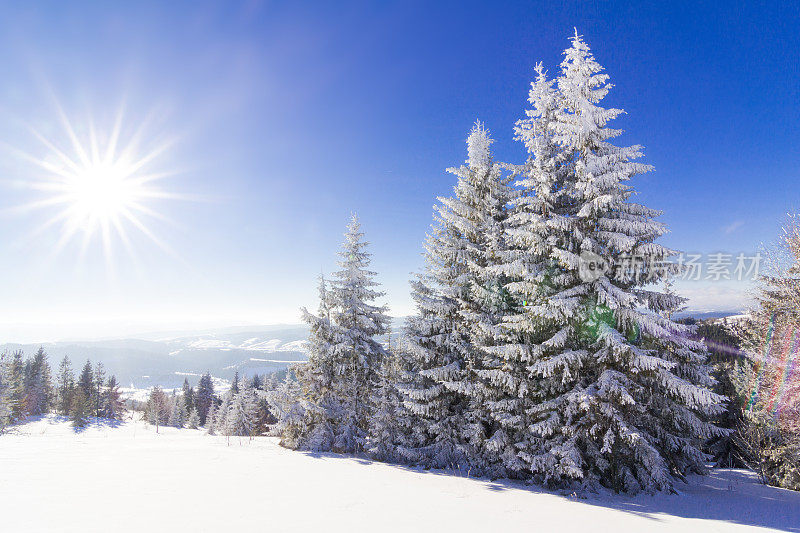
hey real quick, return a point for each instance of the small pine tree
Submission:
(5, 394)
(99, 381)
(288, 408)
(157, 408)
(241, 414)
(211, 419)
(178, 416)
(204, 397)
(38, 386)
(15, 378)
(80, 409)
(385, 424)
(112, 405)
(65, 383)
(221, 425)
(194, 420)
(87, 385)
(188, 395)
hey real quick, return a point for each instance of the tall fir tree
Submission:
(624, 390)
(335, 389)
(536, 222)
(356, 350)
(461, 301)
(323, 408)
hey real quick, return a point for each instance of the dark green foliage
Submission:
(86, 381)
(724, 356)
(112, 406)
(204, 397)
(65, 383)
(188, 395)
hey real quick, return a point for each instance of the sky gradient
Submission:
(287, 117)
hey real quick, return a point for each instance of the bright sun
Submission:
(100, 194)
(98, 187)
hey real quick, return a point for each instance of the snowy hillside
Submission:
(136, 480)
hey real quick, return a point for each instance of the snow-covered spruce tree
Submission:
(241, 416)
(535, 223)
(625, 392)
(358, 354)
(221, 414)
(5, 393)
(321, 405)
(434, 351)
(345, 357)
(157, 408)
(211, 423)
(480, 213)
(15, 383)
(390, 423)
(461, 301)
(193, 422)
(38, 386)
(178, 415)
(287, 406)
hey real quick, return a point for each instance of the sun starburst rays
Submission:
(98, 187)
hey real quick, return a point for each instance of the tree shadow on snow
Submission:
(726, 495)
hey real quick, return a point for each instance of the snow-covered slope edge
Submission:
(182, 480)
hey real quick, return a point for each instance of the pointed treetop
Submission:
(354, 227)
(478, 146)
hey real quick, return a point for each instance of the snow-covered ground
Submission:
(129, 478)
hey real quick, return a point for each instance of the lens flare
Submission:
(759, 377)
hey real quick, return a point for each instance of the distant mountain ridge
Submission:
(166, 361)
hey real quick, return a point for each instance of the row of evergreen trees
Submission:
(518, 364)
(241, 411)
(27, 389)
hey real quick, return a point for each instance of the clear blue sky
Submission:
(288, 116)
